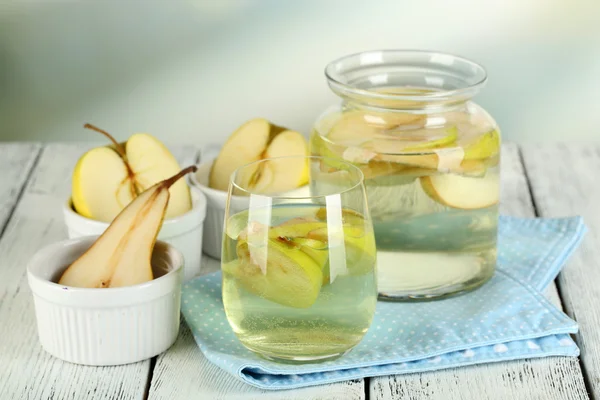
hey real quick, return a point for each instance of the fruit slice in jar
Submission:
(466, 193)
(463, 156)
(283, 273)
(355, 127)
(320, 146)
(400, 142)
(484, 146)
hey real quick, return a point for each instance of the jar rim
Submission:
(450, 77)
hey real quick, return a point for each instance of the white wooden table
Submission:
(547, 181)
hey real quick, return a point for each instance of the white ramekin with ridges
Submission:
(105, 326)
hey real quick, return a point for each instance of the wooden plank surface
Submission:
(544, 378)
(563, 187)
(27, 371)
(564, 182)
(16, 162)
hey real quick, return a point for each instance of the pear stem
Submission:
(120, 148)
(169, 181)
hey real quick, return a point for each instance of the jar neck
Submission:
(405, 81)
(403, 105)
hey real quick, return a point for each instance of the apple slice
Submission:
(462, 192)
(101, 185)
(291, 277)
(107, 179)
(359, 246)
(463, 156)
(152, 162)
(296, 227)
(247, 144)
(315, 249)
(281, 175)
(483, 146)
(356, 127)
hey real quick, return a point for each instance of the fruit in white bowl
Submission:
(122, 255)
(256, 140)
(106, 179)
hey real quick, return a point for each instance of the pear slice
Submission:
(283, 174)
(152, 162)
(291, 278)
(122, 255)
(246, 145)
(466, 193)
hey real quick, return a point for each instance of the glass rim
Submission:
(351, 167)
(337, 83)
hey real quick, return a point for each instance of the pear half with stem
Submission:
(122, 255)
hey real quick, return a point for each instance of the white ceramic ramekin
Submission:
(109, 326)
(184, 232)
(215, 209)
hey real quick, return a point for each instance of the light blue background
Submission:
(192, 71)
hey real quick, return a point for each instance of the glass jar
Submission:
(430, 157)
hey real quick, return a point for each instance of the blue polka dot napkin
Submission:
(506, 319)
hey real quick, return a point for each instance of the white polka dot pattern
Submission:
(504, 320)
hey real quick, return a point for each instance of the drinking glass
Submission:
(299, 279)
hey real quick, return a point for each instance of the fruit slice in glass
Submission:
(298, 267)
